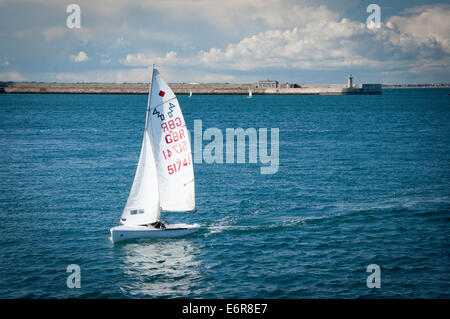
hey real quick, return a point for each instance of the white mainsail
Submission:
(172, 149)
(249, 93)
(164, 177)
(190, 93)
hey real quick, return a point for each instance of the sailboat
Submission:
(190, 93)
(164, 178)
(250, 93)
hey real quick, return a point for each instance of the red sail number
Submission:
(175, 136)
(178, 165)
(172, 124)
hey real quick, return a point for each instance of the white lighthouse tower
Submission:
(350, 81)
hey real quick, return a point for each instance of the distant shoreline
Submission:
(187, 88)
(410, 86)
(205, 88)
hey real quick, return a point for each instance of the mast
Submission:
(148, 100)
(146, 128)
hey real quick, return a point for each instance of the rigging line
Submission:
(149, 94)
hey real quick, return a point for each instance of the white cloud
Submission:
(139, 75)
(80, 57)
(432, 22)
(11, 76)
(141, 59)
(234, 14)
(315, 46)
(105, 76)
(241, 16)
(333, 44)
(327, 43)
(215, 40)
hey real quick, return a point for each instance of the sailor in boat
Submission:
(158, 225)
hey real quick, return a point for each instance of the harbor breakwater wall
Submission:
(184, 88)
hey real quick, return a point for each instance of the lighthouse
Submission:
(350, 81)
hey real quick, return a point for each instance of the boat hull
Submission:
(125, 232)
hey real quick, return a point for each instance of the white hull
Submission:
(125, 232)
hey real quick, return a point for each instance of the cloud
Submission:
(141, 59)
(139, 75)
(11, 76)
(217, 40)
(426, 22)
(80, 57)
(333, 44)
(238, 16)
(229, 15)
(315, 46)
(106, 76)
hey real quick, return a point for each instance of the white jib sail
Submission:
(172, 149)
(249, 93)
(142, 206)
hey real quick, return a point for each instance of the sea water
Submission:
(362, 180)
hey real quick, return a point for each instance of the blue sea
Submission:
(362, 179)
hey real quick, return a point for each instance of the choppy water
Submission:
(362, 180)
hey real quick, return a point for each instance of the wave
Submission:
(286, 223)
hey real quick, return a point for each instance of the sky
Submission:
(235, 41)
